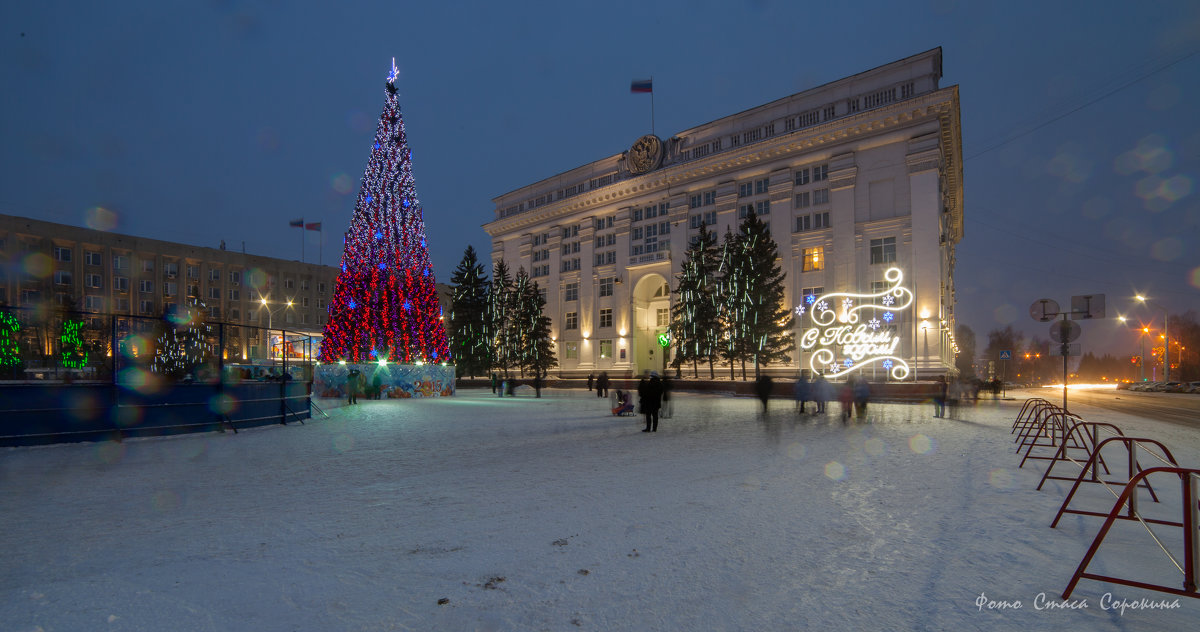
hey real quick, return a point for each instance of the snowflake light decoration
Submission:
(848, 362)
(889, 300)
(810, 299)
(887, 364)
(799, 310)
(823, 306)
(847, 304)
(874, 323)
(887, 316)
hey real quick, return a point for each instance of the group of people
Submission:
(654, 398)
(854, 394)
(600, 382)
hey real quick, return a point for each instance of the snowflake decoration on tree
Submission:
(874, 323)
(887, 316)
(889, 300)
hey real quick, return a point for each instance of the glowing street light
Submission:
(1166, 337)
(270, 316)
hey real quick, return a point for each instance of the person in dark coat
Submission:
(352, 386)
(862, 395)
(939, 397)
(589, 381)
(651, 401)
(762, 387)
(602, 385)
(801, 391)
(820, 393)
(667, 385)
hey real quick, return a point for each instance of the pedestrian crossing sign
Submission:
(1006, 355)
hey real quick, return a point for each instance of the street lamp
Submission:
(1166, 337)
(270, 316)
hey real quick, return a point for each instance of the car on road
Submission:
(1192, 387)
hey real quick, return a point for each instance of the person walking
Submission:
(846, 399)
(493, 382)
(801, 391)
(650, 399)
(352, 386)
(590, 378)
(602, 385)
(762, 387)
(820, 393)
(667, 406)
(862, 395)
(939, 397)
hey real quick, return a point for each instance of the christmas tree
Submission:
(385, 305)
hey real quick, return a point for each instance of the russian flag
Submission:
(642, 85)
(313, 226)
(298, 223)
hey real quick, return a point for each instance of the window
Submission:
(606, 317)
(320, 303)
(170, 288)
(812, 222)
(883, 250)
(802, 176)
(570, 264)
(745, 189)
(146, 287)
(710, 218)
(821, 220)
(235, 314)
(193, 272)
(289, 284)
(761, 186)
(214, 293)
(171, 270)
(803, 200)
(803, 223)
(147, 265)
(695, 201)
(321, 287)
(571, 291)
(121, 305)
(236, 295)
(821, 196)
(93, 281)
(93, 303)
(214, 274)
(814, 259)
(606, 286)
(571, 350)
(120, 262)
(809, 294)
(146, 307)
(762, 207)
(62, 277)
(571, 320)
(121, 284)
(662, 316)
(710, 197)
(744, 210)
(606, 258)
(303, 301)
(62, 253)
(820, 173)
(92, 258)
(235, 277)
(852, 105)
(214, 312)
(604, 222)
(606, 348)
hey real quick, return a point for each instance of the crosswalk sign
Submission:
(1006, 355)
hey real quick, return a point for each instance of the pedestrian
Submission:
(801, 391)
(352, 386)
(667, 406)
(537, 383)
(650, 399)
(846, 398)
(762, 387)
(862, 395)
(820, 393)
(939, 397)
(376, 385)
(602, 385)
(589, 381)
(493, 382)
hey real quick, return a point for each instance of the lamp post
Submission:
(1166, 338)
(270, 316)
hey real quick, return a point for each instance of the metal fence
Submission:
(68, 345)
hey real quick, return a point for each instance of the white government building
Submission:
(855, 178)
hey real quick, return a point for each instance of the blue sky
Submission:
(223, 120)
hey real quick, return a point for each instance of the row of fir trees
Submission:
(729, 307)
(498, 325)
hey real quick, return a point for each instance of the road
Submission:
(1176, 408)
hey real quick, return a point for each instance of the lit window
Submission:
(814, 259)
(606, 347)
(606, 317)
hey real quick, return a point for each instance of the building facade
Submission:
(109, 273)
(859, 181)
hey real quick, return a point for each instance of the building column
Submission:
(925, 277)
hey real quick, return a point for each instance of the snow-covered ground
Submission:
(550, 514)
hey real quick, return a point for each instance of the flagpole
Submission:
(651, 105)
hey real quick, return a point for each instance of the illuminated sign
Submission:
(664, 340)
(841, 342)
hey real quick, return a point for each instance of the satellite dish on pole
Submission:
(1044, 310)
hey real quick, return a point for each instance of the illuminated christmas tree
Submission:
(385, 304)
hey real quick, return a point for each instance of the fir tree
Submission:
(498, 323)
(767, 329)
(537, 350)
(469, 343)
(183, 344)
(385, 302)
(732, 300)
(696, 315)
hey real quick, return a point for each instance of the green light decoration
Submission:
(664, 339)
(10, 352)
(73, 354)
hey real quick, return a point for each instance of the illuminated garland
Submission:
(74, 356)
(10, 350)
(837, 326)
(385, 303)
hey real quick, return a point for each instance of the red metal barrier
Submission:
(1053, 428)
(1086, 434)
(1131, 444)
(1189, 485)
